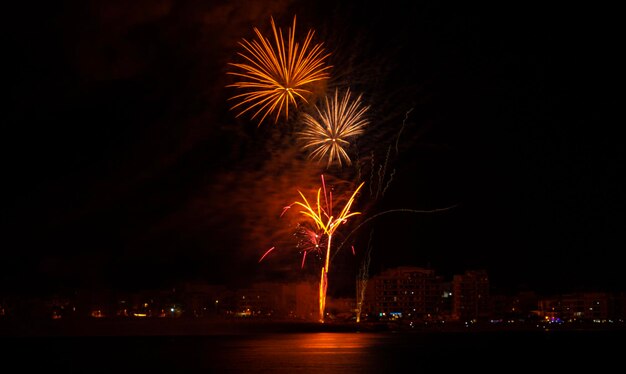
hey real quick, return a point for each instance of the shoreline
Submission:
(197, 327)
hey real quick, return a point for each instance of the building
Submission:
(410, 293)
(471, 301)
(277, 300)
(583, 307)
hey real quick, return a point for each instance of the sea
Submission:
(317, 351)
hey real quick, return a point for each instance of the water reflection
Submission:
(319, 353)
(332, 341)
(307, 352)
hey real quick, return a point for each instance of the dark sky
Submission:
(123, 167)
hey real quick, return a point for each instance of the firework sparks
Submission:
(309, 241)
(326, 136)
(277, 75)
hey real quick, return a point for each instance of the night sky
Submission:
(123, 167)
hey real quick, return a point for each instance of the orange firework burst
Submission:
(327, 135)
(277, 75)
(326, 223)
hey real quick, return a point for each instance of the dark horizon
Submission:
(124, 167)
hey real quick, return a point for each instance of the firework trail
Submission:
(406, 116)
(382, 169)
(401, 210)
(327, 134)
(276, 76)
(266, 253)
(378, 185)
(362, 278)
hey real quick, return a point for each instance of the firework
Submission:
(327, 134)
(309, 241)
(325, 222)
(362, 279)
(277, 75)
